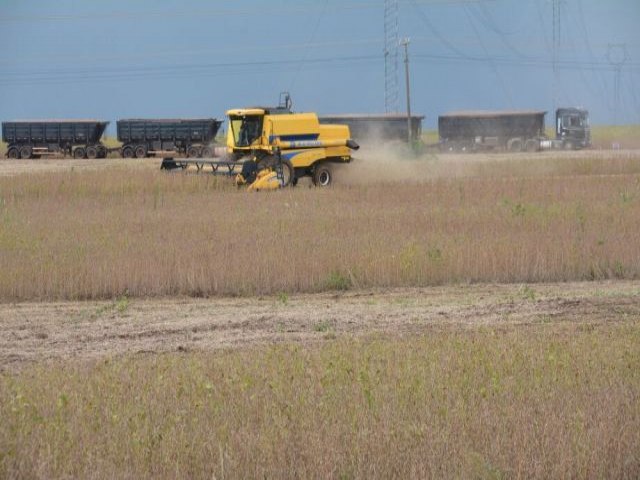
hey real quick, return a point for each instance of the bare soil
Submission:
(35, 332)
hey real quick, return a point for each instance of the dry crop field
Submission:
(454, 316)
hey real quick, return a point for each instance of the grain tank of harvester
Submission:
(277, 147)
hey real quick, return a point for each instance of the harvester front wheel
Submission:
(288, 172)
(323, 175)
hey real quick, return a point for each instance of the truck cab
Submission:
(572, 128)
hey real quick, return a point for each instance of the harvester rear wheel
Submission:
(323, 175)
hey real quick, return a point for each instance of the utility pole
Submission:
(617, 57)
(405, 43)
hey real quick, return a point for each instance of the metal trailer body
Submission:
(491, 130)
(377, 127)
(38, 138)
(191, 137)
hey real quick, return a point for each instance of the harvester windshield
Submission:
(246, 129)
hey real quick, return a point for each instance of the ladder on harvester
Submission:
(279, 169)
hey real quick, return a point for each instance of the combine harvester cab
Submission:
(290, 145)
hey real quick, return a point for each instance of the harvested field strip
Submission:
(36, 332)
(548, 401)
(103, 234)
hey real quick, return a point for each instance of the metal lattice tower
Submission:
(617, 56)
(391, 47)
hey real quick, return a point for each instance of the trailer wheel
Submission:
(514, 145)
(92, 153)
(323, 175)
(207, 152)
(127, 152)
(192, 152)
(13, 153)
(102, 152)
(531, 145)
(25, 152)
(78, 153)
(141, 151)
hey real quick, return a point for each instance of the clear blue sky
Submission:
(123, 58)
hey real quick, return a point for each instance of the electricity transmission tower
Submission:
(557, 32)
(391, 46)
(617, 56)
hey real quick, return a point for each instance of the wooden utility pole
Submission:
(405, 43)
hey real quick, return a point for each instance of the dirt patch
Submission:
(33, 332)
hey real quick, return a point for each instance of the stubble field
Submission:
(454, 316)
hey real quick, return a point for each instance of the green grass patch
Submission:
(547, 401)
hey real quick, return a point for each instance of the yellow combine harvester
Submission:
(277, 147)
(269, 148)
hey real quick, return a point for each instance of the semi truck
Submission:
(42, 138)
(191, 137)
(513, 131)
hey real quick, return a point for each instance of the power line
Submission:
(311, 39)
(499, 77)
(189, 71)
(153, 15)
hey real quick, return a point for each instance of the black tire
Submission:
(79, 153)
(102, 152)
(169, 164)
(13, 153)
(514, 145)
(271, 161)
(127, 152)
(207, 152)
(25, 152)
(531, 145)
(323, 175)
(92, 152)
(192, 152)
(141, 151)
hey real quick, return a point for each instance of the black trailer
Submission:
(167, 137)
(377, 127)
(38, 138)
(488, 130)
